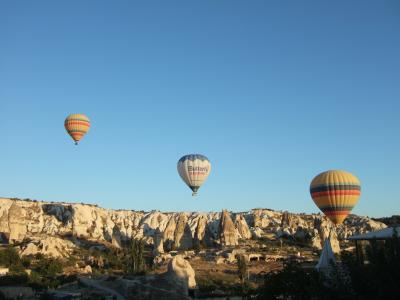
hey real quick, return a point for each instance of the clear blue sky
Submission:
(273, 92)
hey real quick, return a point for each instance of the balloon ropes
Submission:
(194, 170)
(335, 193)
(77, 125)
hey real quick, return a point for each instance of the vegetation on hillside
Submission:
(47, 272)
(389, 221)
(374, 276)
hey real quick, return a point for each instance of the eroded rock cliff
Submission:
(21, 220)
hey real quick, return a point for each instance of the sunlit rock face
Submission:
(242, 227)
(180, 269)
(227, 231)
(183, 239)
(158, 247)
(47, 245)
(21, 220)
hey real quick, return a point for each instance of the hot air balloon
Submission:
(77, 125)
(194, 170)
(335, 193)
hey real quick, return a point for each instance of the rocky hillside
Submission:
(38, 221)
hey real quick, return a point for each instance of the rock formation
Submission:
(46, 245)
(169, 233)
(242, 227)
(171, 285)
(227, 231)
(16, 222)
(325, 229)
(37, 220)
(158, 243)
(183, 236)
(180, 270)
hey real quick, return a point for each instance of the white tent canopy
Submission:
(327, 257)
(382, 234)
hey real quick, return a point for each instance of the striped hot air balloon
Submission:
(77, 125)
(194, 170)
(335, 193)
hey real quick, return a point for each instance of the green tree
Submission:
(243, 274)
(136, 263)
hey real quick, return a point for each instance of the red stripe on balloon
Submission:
(337, 213)
(77, 123)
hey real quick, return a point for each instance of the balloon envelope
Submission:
(335, 193)
(77, 125)
(194, 170)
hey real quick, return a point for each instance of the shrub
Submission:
(14, 279)
(9, 257)
(49, 267)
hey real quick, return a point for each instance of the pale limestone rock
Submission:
(203, 236)
(86, 270)
(242, 227)
(155, 220)
(256, 218)
(256, 232)
(26, 219)
(265, 218)
(4, 271)
(227, 231)
(83, 216)
(34, 213)
(316, 240)
(325, 230)
(158, 243)
(183, 237)
(230, 257)
(200, 231)
(181, 270)
(17, 222)
(116, 237)
(4, 228)
(188, 254)
(219, 260)
(169, 233)
(354, 225)
(162, 258)
(46, 245)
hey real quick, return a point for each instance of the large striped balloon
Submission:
(335, 193)
(77, 125)
(194, 170)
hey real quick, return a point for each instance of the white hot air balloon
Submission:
(194, 170)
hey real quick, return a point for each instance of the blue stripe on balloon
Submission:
(334, 187)
(193, 157)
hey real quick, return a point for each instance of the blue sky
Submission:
(272, 92)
